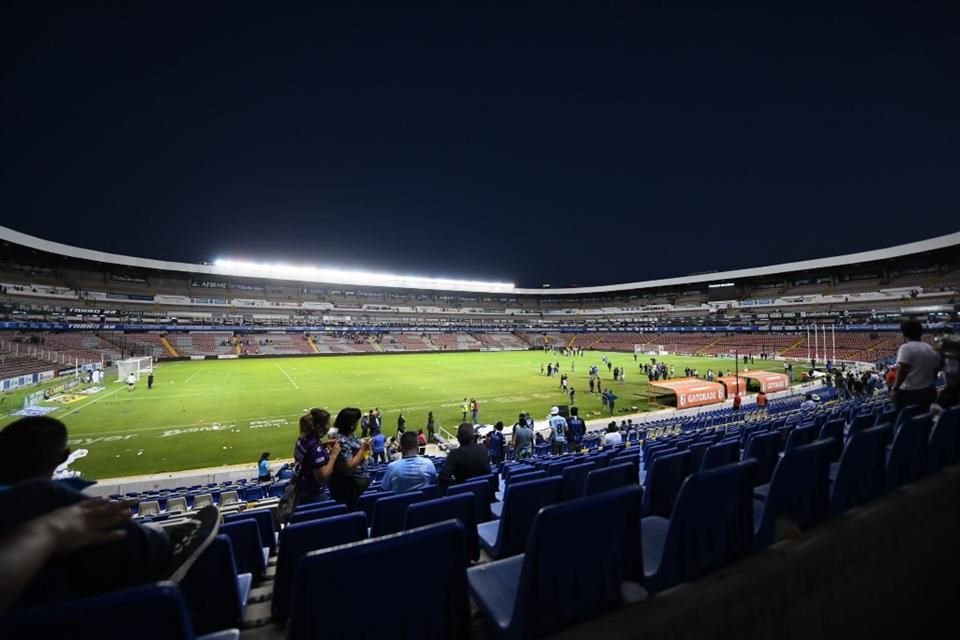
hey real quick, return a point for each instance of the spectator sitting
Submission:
(129, 555)
(808, 402)
(612, 437)
(411, 471)
(466, 461)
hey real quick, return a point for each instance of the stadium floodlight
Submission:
(243, 268)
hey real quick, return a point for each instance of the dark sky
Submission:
(621, 143)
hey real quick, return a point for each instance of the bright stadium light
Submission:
(344, 276)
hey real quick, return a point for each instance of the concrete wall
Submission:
(889, 570)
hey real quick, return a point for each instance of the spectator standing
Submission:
(401, 425)
(349, 478)
(917, 368)
(421, 442)
(522, 439)
(411, 472)
(558, 431)
(431, 428)
(263, 467)
(314, 460)
(576, 428)
(496, 443)
(378, 444)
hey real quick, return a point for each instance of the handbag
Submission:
(289, 498)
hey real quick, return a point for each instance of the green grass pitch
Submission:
(211, 413)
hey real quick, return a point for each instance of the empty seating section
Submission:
(277, 344)
(455, 341)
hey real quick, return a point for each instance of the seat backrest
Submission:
(247, 547)
(574, 479)
(480, 490)
(309, 506)
(905, 414)
(389, 512)
(855, 481)
(861, 422)
(317, 514)
(763, 448)
(229, 497)
(720, 454)
(456, 507)
(554, 592)
(833, 429)
(265, 524)
(148, 508)
(799, 491)
(663, 483)
(521, 502)
(446, 618)
(112, 614)
(176, 504)
(697, 451)
(711, 525)
(944, 449)
(296, 540)
(799, 437)
(908, 454)
(526, 477)
(368, 500)
(210, 588)
(252, 494)
(202, 500)
(607, 478)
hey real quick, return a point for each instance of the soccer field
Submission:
(216, 412)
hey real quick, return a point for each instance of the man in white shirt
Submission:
(558, 431)
(917, 368)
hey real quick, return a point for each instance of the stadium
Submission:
(331, 321)
(236, 352)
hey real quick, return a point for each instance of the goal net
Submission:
(137, 366)
(652, 349)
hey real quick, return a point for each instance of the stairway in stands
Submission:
(700, 351)
(169, 347)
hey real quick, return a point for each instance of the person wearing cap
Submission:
(558, 431)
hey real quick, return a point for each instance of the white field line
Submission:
(195, 374)
(87, 404)
(295, 385)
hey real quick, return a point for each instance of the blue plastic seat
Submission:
(249, 552)
(521, 502)
(853, 480)
(536, 474)
(456, 507)
(319, 513)
(723, 453)
(252, 494)
(574, 479)
(149, 612)
(799, 437)
(906, 414)
(610, 477)
(541, 592)
(663, 483)
(861, 422)
(480, 490)
(907, 460)
(711, 525)
(763, 448)
(833, 430)
(324, 502)
(697, 451)
(215, 593)
(388, 513)
(446, 617)
(368, 500)
(798, 491)
(296, 540)
(265, 523)
(944, 447)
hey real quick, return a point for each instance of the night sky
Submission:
(529, 145)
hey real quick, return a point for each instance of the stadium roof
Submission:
(232, 268)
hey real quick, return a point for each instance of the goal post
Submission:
(649, 348)
(137, 366)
